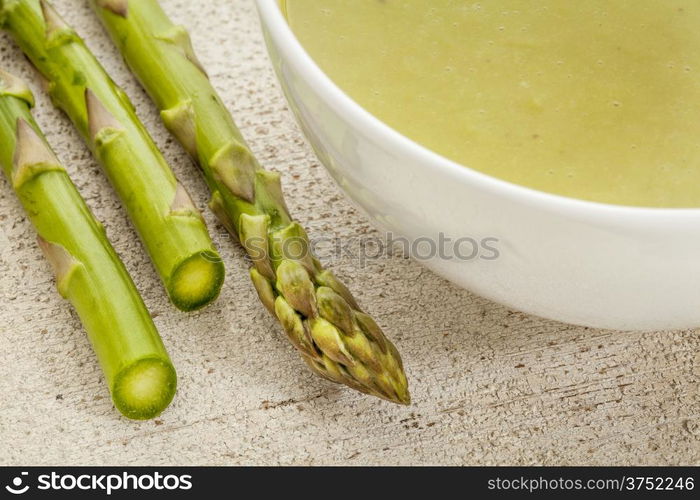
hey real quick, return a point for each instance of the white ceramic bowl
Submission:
(580, 262)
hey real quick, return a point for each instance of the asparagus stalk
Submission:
(318, 313)
(167, 221)
(89, 274)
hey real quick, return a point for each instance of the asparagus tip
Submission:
(294, 283)
(327, 278)
(404, 398)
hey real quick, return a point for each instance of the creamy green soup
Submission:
(594, 99)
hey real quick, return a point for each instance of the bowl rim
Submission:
(272, 17)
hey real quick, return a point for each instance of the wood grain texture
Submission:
(490, 386)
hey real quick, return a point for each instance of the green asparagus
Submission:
(89, 274)
(167, 221)
(318, 313)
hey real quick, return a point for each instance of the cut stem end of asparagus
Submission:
(144, 389)
(197, 281)
(402, 397)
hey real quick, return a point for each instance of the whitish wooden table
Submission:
(491, 386)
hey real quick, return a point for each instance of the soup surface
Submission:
(594, 99)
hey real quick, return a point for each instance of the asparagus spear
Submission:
(318, 313)
(89, 273)
(167, 221)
